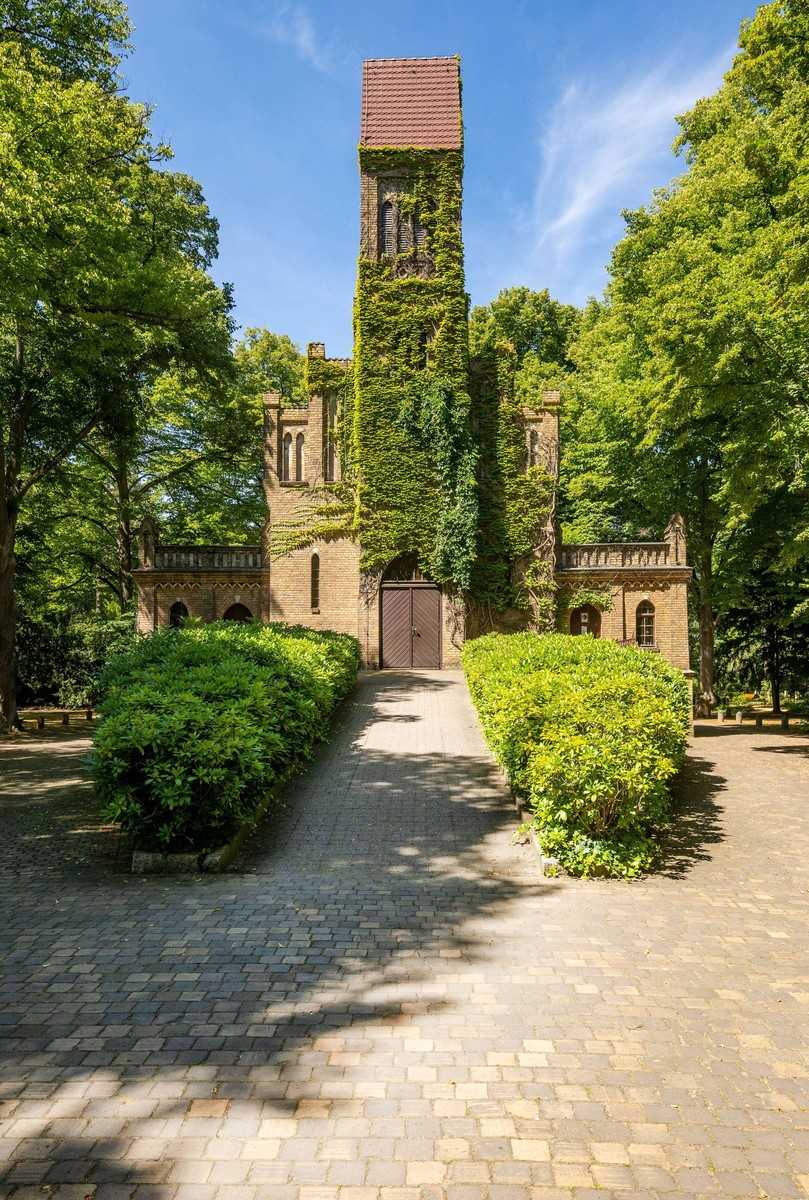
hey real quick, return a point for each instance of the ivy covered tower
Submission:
(412, 452)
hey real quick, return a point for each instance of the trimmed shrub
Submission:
(201, 723)
(590, 735)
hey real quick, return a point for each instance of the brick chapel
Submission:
(402, 618)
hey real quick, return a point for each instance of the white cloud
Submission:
(291, 25)
(601, 149)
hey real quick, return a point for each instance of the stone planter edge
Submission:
(550, 866)
(149, 862)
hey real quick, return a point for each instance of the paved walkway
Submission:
(385, 1002)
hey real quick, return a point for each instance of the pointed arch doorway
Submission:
(409, 617)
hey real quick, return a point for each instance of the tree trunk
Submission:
(8, 622)
(707, 696)
(124, 532)
(774, 667)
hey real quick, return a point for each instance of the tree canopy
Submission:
(103, 261)
(697, 358)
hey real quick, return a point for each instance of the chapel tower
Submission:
(410, 318)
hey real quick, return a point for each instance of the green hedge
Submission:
(199, 724)
(590, 735)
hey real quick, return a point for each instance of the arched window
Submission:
(178, 613)
(645, 624)
(586, 619)
(314, 583)
(533, 448)
(299, 457)
(286, 457)
(421, 236)
(387, 228)
(404, 569)
(237, 612)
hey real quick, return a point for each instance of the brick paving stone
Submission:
(385, 1001)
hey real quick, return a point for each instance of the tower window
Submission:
(405, 234)
(533, 448)
(286, 457)
(387, 228)
(314, 583)
(645, 624)
(421, 236)
(299, 457)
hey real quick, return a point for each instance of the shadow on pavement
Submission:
(697, 818)
(124, 999)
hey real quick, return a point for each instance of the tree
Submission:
(103, 271)
(82, 40)
(708, 296)
(767, 634)
(763, 627)
(717, 267)
(189, 453)
(603, 493)
(270, 362)
(531, 322)
(618, 480)
(187, 441)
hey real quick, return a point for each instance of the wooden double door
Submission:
(410, 625)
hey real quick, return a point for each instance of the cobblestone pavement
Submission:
(385, 1002)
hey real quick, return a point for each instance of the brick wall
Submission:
(339, 587)
(206, 595)
(669, 597)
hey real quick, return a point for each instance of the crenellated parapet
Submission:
(592, 556)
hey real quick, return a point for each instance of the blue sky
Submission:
(568, 114)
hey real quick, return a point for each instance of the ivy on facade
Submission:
(580, 597)
(427, 470)
(514, 565)
(413, 455)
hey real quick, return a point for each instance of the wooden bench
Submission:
(62, 715)
(759, 719)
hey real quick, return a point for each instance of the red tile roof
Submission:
(411, 102)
